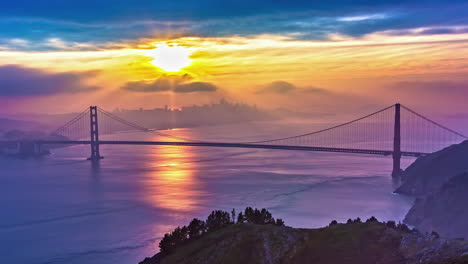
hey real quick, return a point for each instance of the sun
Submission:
(170, 58)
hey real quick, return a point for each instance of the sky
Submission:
(309, 56)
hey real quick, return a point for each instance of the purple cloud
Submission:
(176, 84)
(17, 81)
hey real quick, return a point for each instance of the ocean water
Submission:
(62, 209)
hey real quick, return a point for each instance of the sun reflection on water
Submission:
(172, 183)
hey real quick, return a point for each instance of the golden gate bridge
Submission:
(394, 131)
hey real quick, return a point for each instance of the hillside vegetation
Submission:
(371, 242)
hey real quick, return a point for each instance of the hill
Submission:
(354, 242)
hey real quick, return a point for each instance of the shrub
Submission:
(391, 224)
(435, 234)
(403, 227)
(279, 222)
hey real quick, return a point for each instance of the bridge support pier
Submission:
(397, 171)
(93, 116)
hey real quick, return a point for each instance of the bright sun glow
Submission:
(170, 58)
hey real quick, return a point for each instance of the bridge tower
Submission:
(93, 117)
(397, 143)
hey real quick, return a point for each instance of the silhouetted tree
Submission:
(350, 221)
(240, 218)
(267, 217)
(196, 228)
(217, 219)
(357, 220)
(248, 214)
(174, 239)
(167, 245)
(233, 215)
(372, 220)
(180, 235)
(259, 217)
(333, 223)
(279, 222)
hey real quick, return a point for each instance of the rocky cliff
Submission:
(444, 211)
(428, 174)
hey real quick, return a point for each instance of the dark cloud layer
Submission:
(176, 84)
(315, 90)
(195, 87)
(196, 10)
(278, 87)
(20, 81)
(283, 87)
(160, 85)
(100, 21)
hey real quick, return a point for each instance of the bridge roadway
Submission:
(236, 145)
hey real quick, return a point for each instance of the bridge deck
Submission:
(237, 145)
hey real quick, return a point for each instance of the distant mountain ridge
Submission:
(7, 124)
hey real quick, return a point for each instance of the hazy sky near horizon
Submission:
(328, 56)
